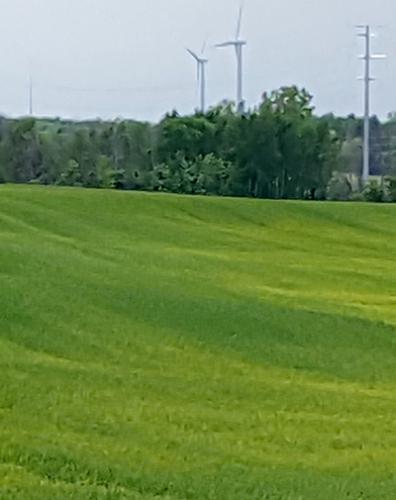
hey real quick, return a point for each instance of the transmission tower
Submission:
(366, 33)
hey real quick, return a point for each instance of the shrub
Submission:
(374, 192)
(339, 188)
(72, 175)
(391, 189)
(107, 176)
(358, 196)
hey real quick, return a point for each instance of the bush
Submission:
(71, 176)
(107, 176)
(374, 192)
(204, 175)
(358, 197)
(320, 195)
(391, 189)
(339, 188)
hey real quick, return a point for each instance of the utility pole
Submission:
(367, 57)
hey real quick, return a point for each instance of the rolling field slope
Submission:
(166, 347)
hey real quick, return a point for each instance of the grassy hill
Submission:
(157, 346)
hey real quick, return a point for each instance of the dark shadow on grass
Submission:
(255, 331)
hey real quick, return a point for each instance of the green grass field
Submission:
(166, 347)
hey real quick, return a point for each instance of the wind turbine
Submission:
(238, 44)
(201, 75)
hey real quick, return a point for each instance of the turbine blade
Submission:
(193, 54)
(239, 23)
(204, 47)
(225, 44)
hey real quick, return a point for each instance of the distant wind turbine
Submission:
(238, 44)
(201, 75)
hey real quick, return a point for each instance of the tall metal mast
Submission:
(367, 57)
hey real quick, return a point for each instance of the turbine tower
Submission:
(238, 44)
(201, 76)
(30, 95)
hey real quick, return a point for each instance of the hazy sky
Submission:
(109, 58)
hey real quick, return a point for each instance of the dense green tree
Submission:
(280, 149)
(21, 152)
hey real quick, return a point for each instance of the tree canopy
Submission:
(280, 149)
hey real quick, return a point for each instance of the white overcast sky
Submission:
(126, 58)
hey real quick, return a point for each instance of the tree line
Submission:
(280, 150)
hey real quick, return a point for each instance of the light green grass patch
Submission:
(170, 347)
